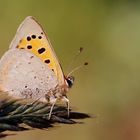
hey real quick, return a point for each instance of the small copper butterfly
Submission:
(30, 68)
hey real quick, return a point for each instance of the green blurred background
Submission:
(109, 31)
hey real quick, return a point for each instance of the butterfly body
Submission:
(30, 68)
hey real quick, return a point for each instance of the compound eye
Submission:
(70, 81)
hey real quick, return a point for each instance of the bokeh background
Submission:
(109, 32)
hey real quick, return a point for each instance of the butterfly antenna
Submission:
(77, 68)
(74, 58)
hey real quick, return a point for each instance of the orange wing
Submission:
(30, 36)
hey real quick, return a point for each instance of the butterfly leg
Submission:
(65, 99)
(52, 101)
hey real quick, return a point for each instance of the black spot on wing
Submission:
(41, 50)
(39, 37)
(29, 47)
(33, 36)
(47, 61)
(32, 57)
(28, 38)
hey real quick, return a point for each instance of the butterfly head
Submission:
(70, 81)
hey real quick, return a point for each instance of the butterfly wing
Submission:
(24, 75)
(31, 36)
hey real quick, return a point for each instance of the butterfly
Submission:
(31, 69)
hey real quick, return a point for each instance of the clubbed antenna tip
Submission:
(86, 63)
(81, 49)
